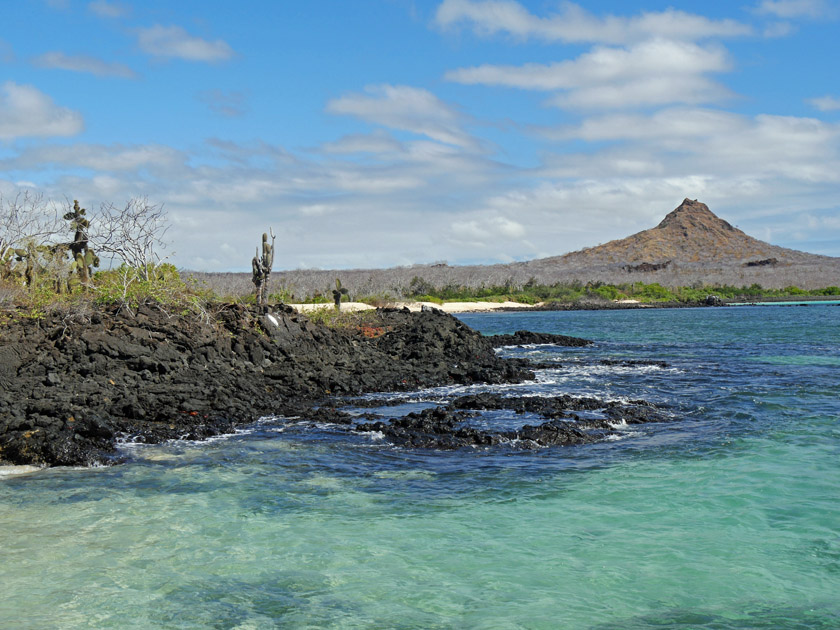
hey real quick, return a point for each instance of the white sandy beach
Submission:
(447, 307)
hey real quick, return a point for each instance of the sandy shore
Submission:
(447, 307)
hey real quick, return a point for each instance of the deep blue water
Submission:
(725, 517)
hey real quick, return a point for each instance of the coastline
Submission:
(415, 307)
(74, 385)
(454, 308)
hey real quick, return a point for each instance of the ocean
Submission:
(726, 516)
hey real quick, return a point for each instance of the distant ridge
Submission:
(691, 233)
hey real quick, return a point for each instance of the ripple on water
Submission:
(724, 518)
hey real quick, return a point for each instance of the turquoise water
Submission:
(805, 302)
(726, 517)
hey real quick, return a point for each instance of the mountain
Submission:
(690, 246)
(691, 233)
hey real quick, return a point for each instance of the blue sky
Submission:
(391, 132)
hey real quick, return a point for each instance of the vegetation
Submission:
(531, 292)
(82, 256)
(47, 259)
(338, 293)
(577, 292)
(50, 259)
(367, 323)
(261, 268)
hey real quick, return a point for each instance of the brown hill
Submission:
(689, 234)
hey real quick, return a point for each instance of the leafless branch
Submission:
(26, 218)
(133, 234)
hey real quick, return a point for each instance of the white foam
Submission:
(615, 437)
(17, 471)
(126, 444)
(602, 370)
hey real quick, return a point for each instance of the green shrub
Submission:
(832, 290)
(129, 287)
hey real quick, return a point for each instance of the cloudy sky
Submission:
(375, 133)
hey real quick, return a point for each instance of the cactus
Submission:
(27, 255)
(83, 257)
(261, 267)
(6, 266)
(41, 263)
(337, 293)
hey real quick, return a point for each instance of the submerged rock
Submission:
(633, 363)
(447, 427)
(525, 337)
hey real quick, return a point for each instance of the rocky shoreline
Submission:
(73, 385)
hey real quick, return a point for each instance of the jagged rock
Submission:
(446, 427)
(766, 262)
(525, 337)
(633, 362)
(71, 389)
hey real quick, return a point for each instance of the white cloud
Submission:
(677, 124)
(826, 103)
(508, 228)
(230, 103)
(318, 209)
(373, 183)
(408, 109)
(653, 57)
(575, 25)
(174, 41)
(251, 153)
(681, 142)
(25, 111)
(105, 9)
(652, 72)
(778, 29)
(379, 141)
(788, 9)
(83, 63)
(110, 158)
(482, 231)
(650, 91)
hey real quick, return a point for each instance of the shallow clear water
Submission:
(725, 518)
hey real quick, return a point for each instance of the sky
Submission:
(378, 133)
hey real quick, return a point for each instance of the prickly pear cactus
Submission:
(337, 293)
(83, 257)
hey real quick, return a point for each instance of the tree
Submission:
(133, 234)
(26, 222)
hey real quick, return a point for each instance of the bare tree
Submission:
(133, 234)
(26, 219)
